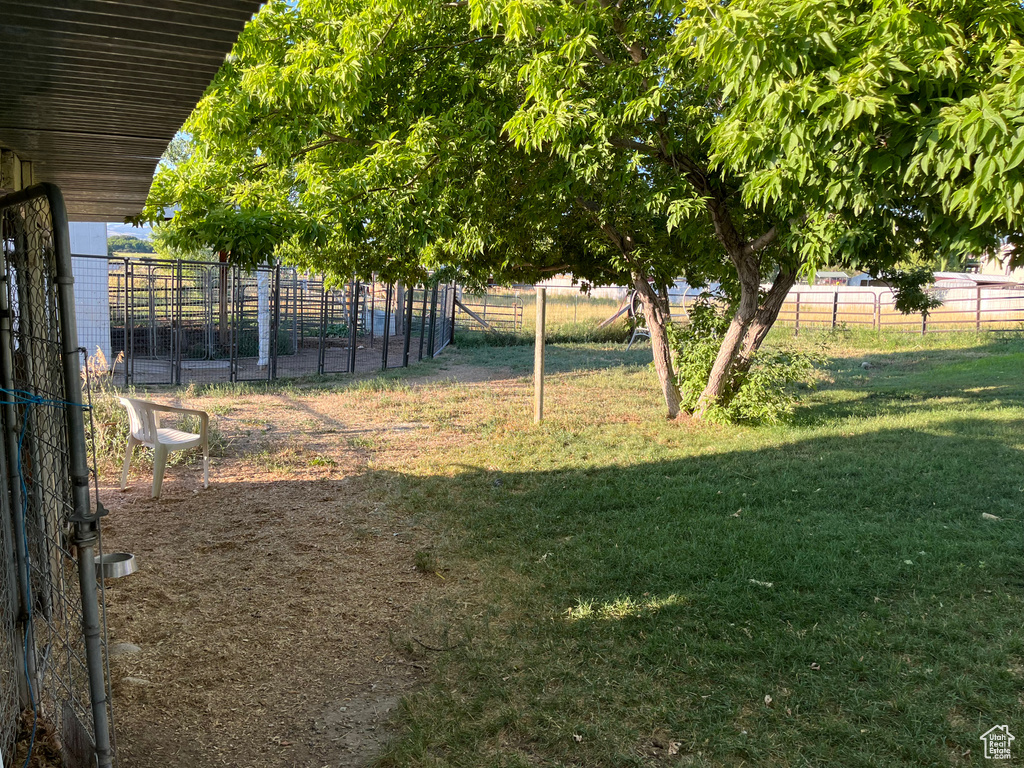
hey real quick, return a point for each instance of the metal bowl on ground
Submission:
(114, 565)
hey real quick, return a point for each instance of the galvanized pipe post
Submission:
(86, 524)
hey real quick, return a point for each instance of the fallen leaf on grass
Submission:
(815, 666)
(577, 738)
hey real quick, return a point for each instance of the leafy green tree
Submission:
(746, 144)
(128, 244)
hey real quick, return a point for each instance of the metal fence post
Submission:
(233, 334)
(455, 295)
(295, 310)
(796, 331)
(409, 299)
(128, 331)
(423, 319)
(878, 312)
(373, 309)
(86, 525)
(835, 308)
(353, 331)
(322, 342)
(275, 324)
(176, 329)
(977, 314)
(387, 327)
(433, 320)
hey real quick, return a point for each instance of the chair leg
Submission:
(159, 463)
(206, 471)
(132, 442)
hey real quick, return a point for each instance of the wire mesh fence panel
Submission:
(255, 329)
(45, 449)
(181, 322)
(11, 664)
(202, 329)
(337, 329)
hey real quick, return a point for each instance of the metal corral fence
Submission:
(973, 308)
(54, 684)
(511, 310)
(177, 322)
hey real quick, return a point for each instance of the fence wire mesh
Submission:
(53, 675)
(10, 641)
(178, 322)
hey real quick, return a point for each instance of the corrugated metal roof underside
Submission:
(91, 91)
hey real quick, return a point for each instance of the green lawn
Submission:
(623, 591)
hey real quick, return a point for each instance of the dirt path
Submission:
(264, 607)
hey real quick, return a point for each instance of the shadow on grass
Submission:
(973, 379)
(852, 580)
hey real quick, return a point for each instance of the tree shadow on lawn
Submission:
(852, 580)
(980, 378)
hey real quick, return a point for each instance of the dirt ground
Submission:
(259, 628)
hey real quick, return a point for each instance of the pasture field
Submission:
(607, 588)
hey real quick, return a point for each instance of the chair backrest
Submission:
(141, 418)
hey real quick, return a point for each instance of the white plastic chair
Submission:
(146, 430)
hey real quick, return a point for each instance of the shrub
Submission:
(764, 395)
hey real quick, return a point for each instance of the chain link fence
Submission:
(177, 322)
(52, 649)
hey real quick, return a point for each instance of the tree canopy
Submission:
(633, 141)
(128, 244)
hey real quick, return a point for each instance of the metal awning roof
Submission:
(91, 91)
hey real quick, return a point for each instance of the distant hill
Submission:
(128, 244)
(143, 233)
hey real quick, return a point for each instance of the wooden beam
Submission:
(473, 314)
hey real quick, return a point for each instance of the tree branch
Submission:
(387, 188)
(761, 242)
(386, 33)
(331, 139)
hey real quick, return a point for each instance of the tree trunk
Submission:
(657, 317)
(764, 319)
(720, 380)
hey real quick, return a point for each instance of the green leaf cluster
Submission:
(764, 393)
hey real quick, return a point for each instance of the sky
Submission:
(120, 228)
